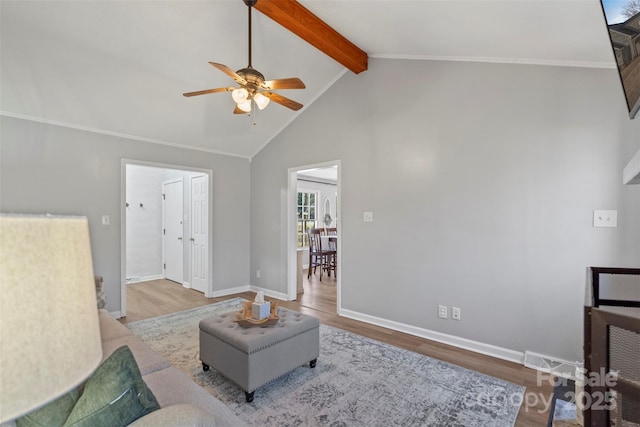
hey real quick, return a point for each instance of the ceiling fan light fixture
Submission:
(240, 95)
(245, 106)
(261, 100)
(252, 85)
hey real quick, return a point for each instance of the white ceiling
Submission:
(120, 67)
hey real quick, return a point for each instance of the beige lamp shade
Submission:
(49, 330)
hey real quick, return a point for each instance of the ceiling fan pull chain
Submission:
(254, 112)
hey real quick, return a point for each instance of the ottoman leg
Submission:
(205, 367)
(249, 396)
(312, 364)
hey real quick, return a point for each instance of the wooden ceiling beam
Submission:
(300, 21)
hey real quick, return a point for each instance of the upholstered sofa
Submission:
(182, 401)
(176, 400)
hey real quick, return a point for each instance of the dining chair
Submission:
(315, 253)
(333, 254)
(330, 248)
(332, 233)
(319, 256)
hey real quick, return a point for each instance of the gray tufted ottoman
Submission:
(251, 357)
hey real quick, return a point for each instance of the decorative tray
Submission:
(245, 320)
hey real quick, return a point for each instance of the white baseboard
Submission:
(539, 362)
(475, 346)
(186, 285)
(138, 279)
(116, 314)
(270, 293)
(225, 292)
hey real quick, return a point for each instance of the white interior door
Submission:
(172, 211)
(199, 233)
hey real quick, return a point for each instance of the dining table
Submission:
(329, 242)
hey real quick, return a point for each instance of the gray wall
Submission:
(482, 179)
(59, 170)
(144, 223)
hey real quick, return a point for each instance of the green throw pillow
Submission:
(115, 395)
(53, 414)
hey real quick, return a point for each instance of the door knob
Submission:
(179, 238)
(192, 239)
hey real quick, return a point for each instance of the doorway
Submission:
(165, 226)
(314, 201)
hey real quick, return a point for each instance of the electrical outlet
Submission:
(455, 313)
(257, 274)
(605, 218)
(442, 312)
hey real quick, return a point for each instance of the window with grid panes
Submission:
(307, 208)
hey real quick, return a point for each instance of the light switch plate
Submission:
(442, 312)
(367, 216)
(605, 218)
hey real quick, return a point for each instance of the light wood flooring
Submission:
(158, 297)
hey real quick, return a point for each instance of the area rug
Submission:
(357, 382)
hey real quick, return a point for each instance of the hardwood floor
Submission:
(158, 297)
(319, 295)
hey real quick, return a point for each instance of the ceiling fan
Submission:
(253, 86)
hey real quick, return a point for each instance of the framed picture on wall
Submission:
(622, 18)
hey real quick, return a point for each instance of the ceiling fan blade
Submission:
(239, 111)
(204, 92)
(289, 103)
(229, 72)
(288, 83)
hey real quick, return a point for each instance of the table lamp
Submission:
(49, 330)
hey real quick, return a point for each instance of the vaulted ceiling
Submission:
(120, 67)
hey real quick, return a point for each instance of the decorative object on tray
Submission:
(245, 318)
(260, 308)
